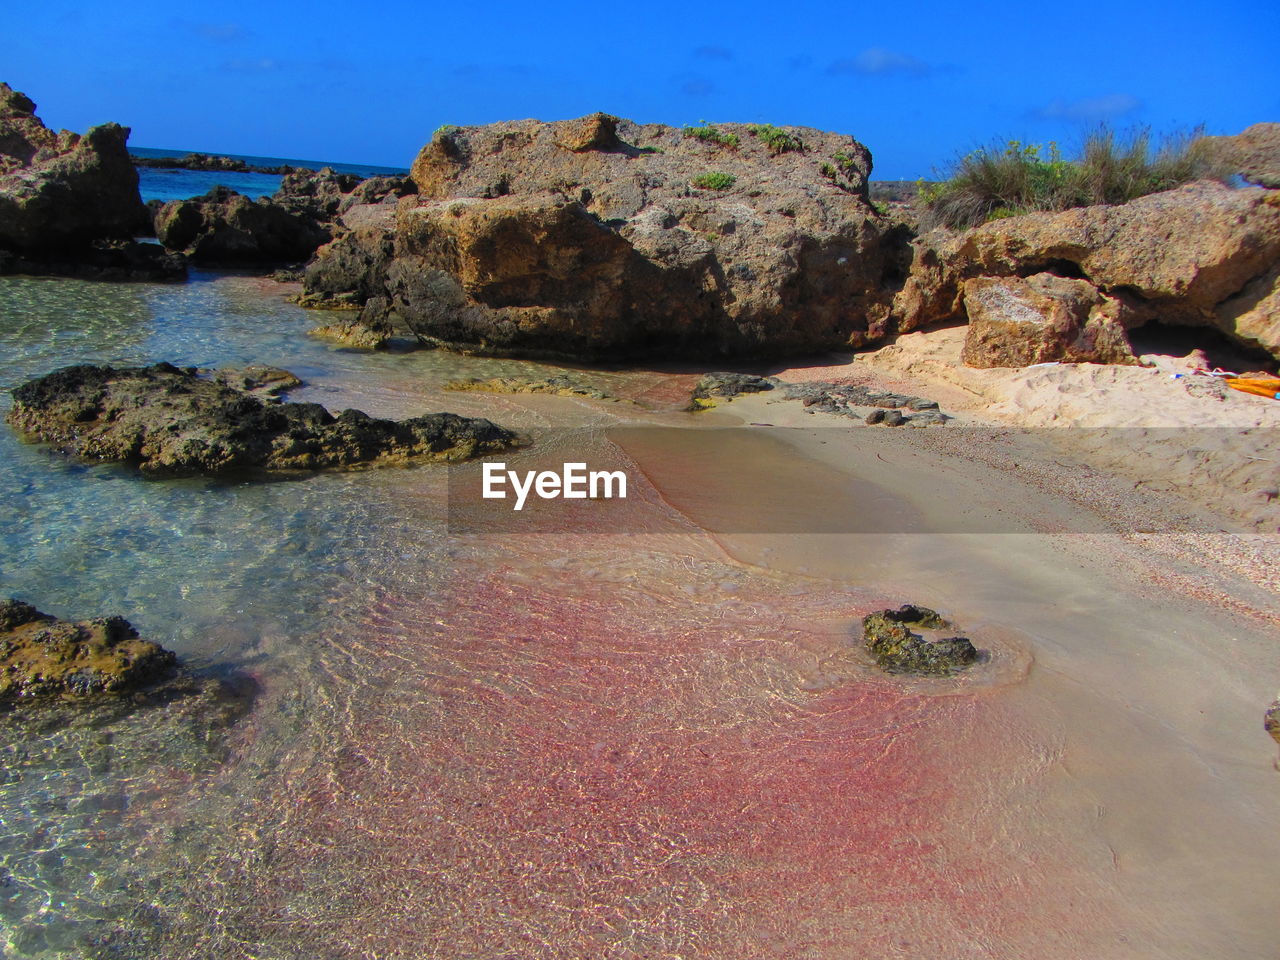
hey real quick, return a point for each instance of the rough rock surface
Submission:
(41, 656)
(227, 227)
(60, 193)
(1254, 154)
(1015, 322)
(724, 385)
(171, 422)
(1203, 254)
(844, 399)
(599, 238)
(898, 650)
(559, 385)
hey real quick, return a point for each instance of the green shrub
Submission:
(775, 138)
(715, 180)
(995, 182)
(709, 134)
(444, 130)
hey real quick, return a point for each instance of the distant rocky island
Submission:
(205, 161)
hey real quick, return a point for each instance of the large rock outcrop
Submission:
(61, 193)
(41, 656)
(1203, 254)
(599, 237)
(172, 422)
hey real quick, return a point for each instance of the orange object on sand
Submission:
(1263, 387)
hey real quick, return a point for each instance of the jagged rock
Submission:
(61, 193)
(1203, 254)
(592, 238)
(171, 422)
(352, 270)
(41, 656)
(559, 385)
(1015, 322)
(898, 650)
(842, 399)
(1254, 154)
(226, 227)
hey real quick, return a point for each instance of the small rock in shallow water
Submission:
(898, 650)
(43, 656)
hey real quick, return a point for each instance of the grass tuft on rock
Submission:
(715, 180)
(995, 182)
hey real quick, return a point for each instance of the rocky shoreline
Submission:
(170, 422)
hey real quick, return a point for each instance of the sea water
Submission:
(156, 183)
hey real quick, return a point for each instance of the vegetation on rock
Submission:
(714, 180)
(1001, 181)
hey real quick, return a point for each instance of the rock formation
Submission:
(898, 650)
(226, 227)
(1254, 154)
(171, 422)
(70, 203)
(41, 656)
(599, 238)
(1203, 254)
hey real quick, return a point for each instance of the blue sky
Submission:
(368, 83)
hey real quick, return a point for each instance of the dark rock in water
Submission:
(225, 227)
(171, 422)
(109, 260)
(41, 656)
(714, 385)
(898, 650)
(60, 193)
(592, 238)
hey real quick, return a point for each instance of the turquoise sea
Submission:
(166, 185)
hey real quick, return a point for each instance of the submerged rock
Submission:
(171, 422)
(559, 385)
(41, 656)
(898, 650)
